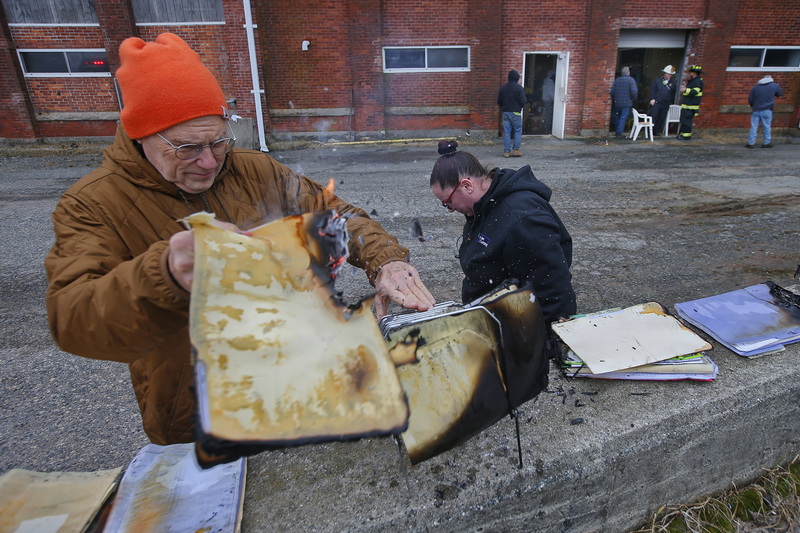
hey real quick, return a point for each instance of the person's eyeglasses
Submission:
(446, 203)
(187, 152)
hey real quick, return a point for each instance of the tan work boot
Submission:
(506, 154)
(516, 153)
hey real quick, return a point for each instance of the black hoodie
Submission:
(515, 233)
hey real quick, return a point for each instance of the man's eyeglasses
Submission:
(187, 152)
(446, 203)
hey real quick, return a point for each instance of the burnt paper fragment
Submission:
(279, 360)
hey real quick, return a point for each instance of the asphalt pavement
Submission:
(663, 221)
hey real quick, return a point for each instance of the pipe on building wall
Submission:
(251, 48)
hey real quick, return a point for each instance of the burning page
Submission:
(279, 361)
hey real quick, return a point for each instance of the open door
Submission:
(560, 101)
(545, 84)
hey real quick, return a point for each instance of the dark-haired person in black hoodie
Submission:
(511, 231)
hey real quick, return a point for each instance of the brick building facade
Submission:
(338, 84)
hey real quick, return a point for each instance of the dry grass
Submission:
(770, 504)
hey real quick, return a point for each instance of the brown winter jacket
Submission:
(111, 296)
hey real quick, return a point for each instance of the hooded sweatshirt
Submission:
(762, 96)
(511, 97)
(515, 233)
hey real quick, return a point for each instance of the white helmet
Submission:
(669, 69)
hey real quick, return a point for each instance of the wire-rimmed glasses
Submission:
(190, 151)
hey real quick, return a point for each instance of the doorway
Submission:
(646, 53)
(543, 112)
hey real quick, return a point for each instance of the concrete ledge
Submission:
(75, 116)
(312, 112)
(639, 445)
(372, 136)
(779, 108)
(425, 110)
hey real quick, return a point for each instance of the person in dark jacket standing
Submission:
(623, 93)
(511, 98)
(662, 95)
(692, 92)
(511, 230)
(762, 100)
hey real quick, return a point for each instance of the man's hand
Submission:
(399, 282)
(180, 260)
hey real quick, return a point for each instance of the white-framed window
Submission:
(57, 63)
(764, 58)
(426, 59)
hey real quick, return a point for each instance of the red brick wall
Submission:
(764, 22)
(95, 128)
(343, 66)
(486, 75)
(428, 122)
(116, 25)
(16, 110)
(558, 26)
(237, 57)
(428, 89)
(64, 95)
(366, 82)
(317, 77)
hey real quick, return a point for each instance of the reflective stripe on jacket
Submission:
(692, 94)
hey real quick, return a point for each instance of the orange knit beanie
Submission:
(163, 84)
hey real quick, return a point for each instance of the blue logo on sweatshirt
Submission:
(483, 239)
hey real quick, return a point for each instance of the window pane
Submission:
(87, 62)
(50, 12)
(43, 62)
(745, 57)
(405, 58)
(448, 58)
(777, 57)
(149, 11)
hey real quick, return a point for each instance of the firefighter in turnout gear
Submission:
(692, 92)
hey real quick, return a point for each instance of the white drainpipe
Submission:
(251, 48)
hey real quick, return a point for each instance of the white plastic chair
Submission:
(673, 115)
(641, 122)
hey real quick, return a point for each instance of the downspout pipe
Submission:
(251, 48)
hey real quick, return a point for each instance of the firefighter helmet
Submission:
(696, 68)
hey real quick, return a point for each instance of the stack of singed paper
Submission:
(641, 342)
(753, 321)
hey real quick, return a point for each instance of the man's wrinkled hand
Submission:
(180, 258)
(399, 282)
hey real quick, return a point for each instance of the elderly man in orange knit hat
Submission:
(120, 271)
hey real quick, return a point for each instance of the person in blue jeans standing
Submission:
(623, 93)
(511, 98)
(762, 100)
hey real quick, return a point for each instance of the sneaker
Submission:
(506, 154)
(617, 135)
(516, 153)
(766, 145)
(749, 145)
